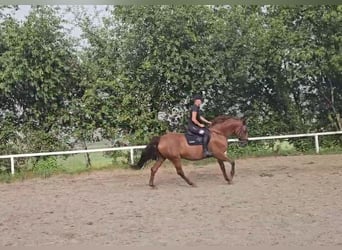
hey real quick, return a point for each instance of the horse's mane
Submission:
(220, 119)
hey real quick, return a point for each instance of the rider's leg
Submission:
(206, 138)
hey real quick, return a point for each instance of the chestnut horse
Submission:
(174, 147)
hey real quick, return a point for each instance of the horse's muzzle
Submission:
(243, 142)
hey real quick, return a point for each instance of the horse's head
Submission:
(242, 132)
(232, 126)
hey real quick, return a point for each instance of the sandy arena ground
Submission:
(284, 201)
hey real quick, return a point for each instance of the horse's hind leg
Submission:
(180, 172)
(154, 170)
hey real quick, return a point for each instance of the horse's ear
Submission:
(244, 120)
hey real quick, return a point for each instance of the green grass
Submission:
(20, 176)
(78, 162)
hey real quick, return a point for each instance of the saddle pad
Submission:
(194, 139)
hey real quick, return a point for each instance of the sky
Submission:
(24, 10)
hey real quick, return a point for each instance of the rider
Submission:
(195, 126)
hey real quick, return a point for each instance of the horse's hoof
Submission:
(193, 185)
(153, 186)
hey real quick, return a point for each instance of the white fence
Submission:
(131, 149)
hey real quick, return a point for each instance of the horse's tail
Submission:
(151, 152)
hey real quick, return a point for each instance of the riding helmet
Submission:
(198, 97)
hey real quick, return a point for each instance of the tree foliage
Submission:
(279, 65)
(39, 76)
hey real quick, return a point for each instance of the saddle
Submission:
(193, 139)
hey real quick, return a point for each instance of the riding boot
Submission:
(206, 152)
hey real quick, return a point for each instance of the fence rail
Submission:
(132, 148)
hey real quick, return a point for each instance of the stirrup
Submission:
(207, 154)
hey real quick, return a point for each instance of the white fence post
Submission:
(132, 156)
(12, 165)
(316, 143)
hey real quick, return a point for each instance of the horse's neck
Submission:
(225, 129)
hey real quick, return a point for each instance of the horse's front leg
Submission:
(221, 159)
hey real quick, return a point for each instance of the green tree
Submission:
(38, 78)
